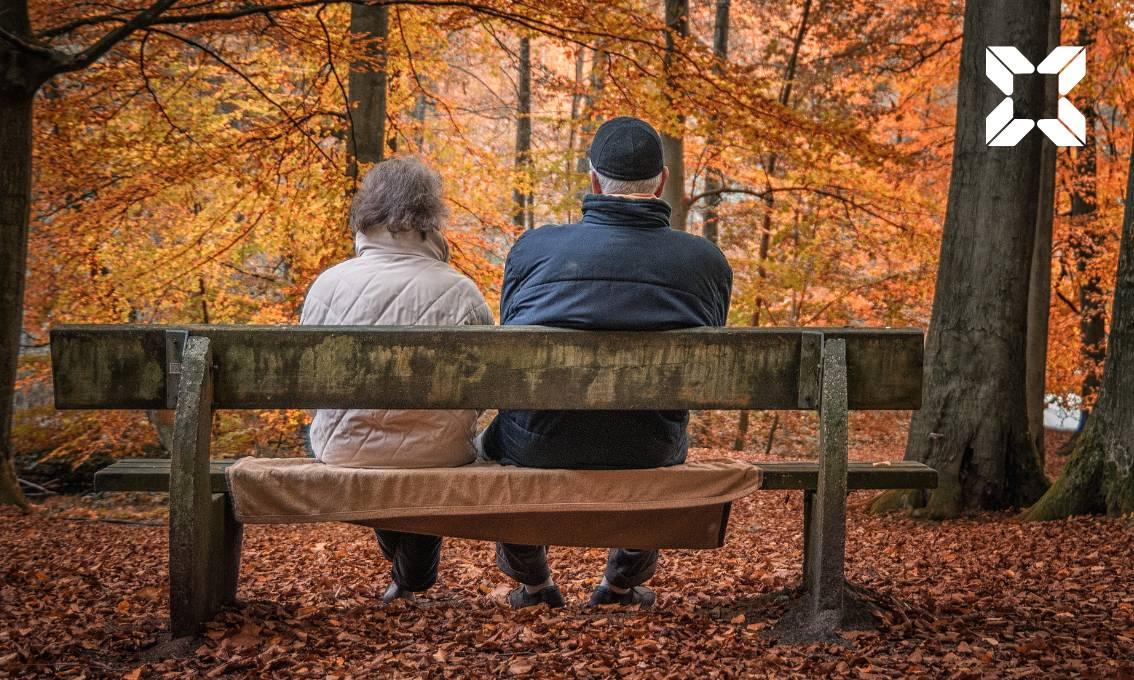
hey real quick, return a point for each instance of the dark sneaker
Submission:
(639, 595)
(396, 592)
(520, 597)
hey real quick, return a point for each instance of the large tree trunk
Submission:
(714, 178)
(521, 193)
(673, 141)
(17, 91)
(972, 426)
(1100, 475)
(1039, 287)
(366, 96)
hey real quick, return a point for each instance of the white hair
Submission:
(609, 185)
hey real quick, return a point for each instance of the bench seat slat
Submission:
(152, 474)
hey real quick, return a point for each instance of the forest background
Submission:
(202, 172)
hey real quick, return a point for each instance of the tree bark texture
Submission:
(1039, 287)
(714, 179)
(366, 105)
(1100, 475)
(673, 141)
(521, 192)
(17, 91)
(972, 426)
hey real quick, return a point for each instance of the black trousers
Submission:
(528, 564)
(414, 558)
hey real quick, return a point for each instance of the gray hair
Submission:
(609, 185)
(399, 194)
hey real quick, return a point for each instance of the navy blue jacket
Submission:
(621, 268)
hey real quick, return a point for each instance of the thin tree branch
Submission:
(113, 37)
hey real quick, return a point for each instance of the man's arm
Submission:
(516, 269)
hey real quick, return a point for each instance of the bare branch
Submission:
(113, 37)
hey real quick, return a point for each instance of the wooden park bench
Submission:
(199, 369)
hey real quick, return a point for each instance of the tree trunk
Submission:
(673, 140)
(1039, 287)
(1086, 244)
(972, 427)
(366, 105)
(17, 91)
(521, 192)
(587, 129)
(714, 178)
(1100, 475)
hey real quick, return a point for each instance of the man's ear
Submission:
(661, 185)
(596, 188)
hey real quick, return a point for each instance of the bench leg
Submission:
(225, 535)
(826, 531)
(808, 508)
(196, 518)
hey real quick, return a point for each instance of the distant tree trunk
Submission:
(1039, 287)
(420, 107)
(972, 426)
(714, 178)
(17, 92)
(1086, 246)
(576, 111)
(369, 28)
(1100, 475)
(521, 193)
(587, 129)
(673, 145)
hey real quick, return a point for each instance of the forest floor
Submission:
(82, 592)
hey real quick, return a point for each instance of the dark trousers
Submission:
(414, 558)
(528, 564)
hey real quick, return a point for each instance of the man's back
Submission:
(621, 268)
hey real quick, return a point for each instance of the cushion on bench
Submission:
(684, 506)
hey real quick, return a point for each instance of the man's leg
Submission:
(626, 571)
(414, 558)
(628, 568)
(528, 565)
(524, 563)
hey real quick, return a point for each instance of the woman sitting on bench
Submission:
(399, 276)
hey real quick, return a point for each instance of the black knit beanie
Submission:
(627, 148)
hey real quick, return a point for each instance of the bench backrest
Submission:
(135, 367)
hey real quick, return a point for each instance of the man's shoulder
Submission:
(703, 251)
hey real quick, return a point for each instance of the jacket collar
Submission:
(630, 211)
(431, 244)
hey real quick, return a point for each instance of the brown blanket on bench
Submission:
(684, 506)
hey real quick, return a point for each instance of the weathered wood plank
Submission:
(860, 475)
(190, 498)
(828, 521)
(95, 367)
(483, 367)
(152, 474)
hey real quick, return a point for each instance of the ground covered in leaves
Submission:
(82, 592)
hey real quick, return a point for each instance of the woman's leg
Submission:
(414, 558)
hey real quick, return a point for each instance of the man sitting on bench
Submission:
(620, 268)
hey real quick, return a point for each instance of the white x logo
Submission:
(1002, 63)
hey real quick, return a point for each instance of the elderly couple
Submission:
(620, 268)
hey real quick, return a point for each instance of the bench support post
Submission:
(204, 538)
(825, 519)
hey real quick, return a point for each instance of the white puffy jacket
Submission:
(395, 279)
